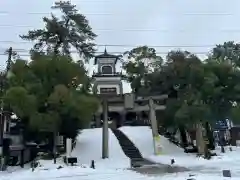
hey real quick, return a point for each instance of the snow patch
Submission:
(89, 147)
(141, 136)
(72, 173)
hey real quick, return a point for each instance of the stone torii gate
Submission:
(129, 103)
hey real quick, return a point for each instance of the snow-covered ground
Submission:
(88, 148)
(50, 171)
(142, 138)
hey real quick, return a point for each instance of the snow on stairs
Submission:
(130, 149)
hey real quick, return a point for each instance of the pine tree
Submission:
(60, 34)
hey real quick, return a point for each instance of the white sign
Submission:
(157, 145)
(238, 142)
(69, 147)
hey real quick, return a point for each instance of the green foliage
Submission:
(228, 52)
(136, 67)
(44, 93)
(204, 90)
(46, 122)
(51, 93)
(60, 34)
(21, 102)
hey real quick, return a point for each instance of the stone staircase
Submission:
(130, 149)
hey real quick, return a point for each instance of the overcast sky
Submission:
(174, 23)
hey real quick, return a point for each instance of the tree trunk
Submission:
(22, 158)
(183, 136)
(22, 151)
(211, 144)
(199, 139)
(55, 147)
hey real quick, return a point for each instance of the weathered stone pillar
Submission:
(105, 137)
(152, 117)
(199, 138)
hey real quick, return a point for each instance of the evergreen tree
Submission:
(60, 34)
(45, 95)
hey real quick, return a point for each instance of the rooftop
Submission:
(106, 55)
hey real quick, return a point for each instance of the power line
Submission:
(136, 30)
(112, 52)
(125, 45)
(19, 50)
(25, 52)
(110, 14)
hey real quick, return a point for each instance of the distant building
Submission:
(123, 109)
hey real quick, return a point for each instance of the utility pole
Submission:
(105, 151)
(1, 133)
(10, 53)
(2, 120)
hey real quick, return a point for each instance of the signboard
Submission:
(238, 143)
(226, 173)
(157, 144)
(221, 125)
(108, 90)
(129, 101)
(206, 141)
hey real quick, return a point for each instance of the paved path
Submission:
(154, 169)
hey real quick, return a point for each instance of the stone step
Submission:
(127, 146)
